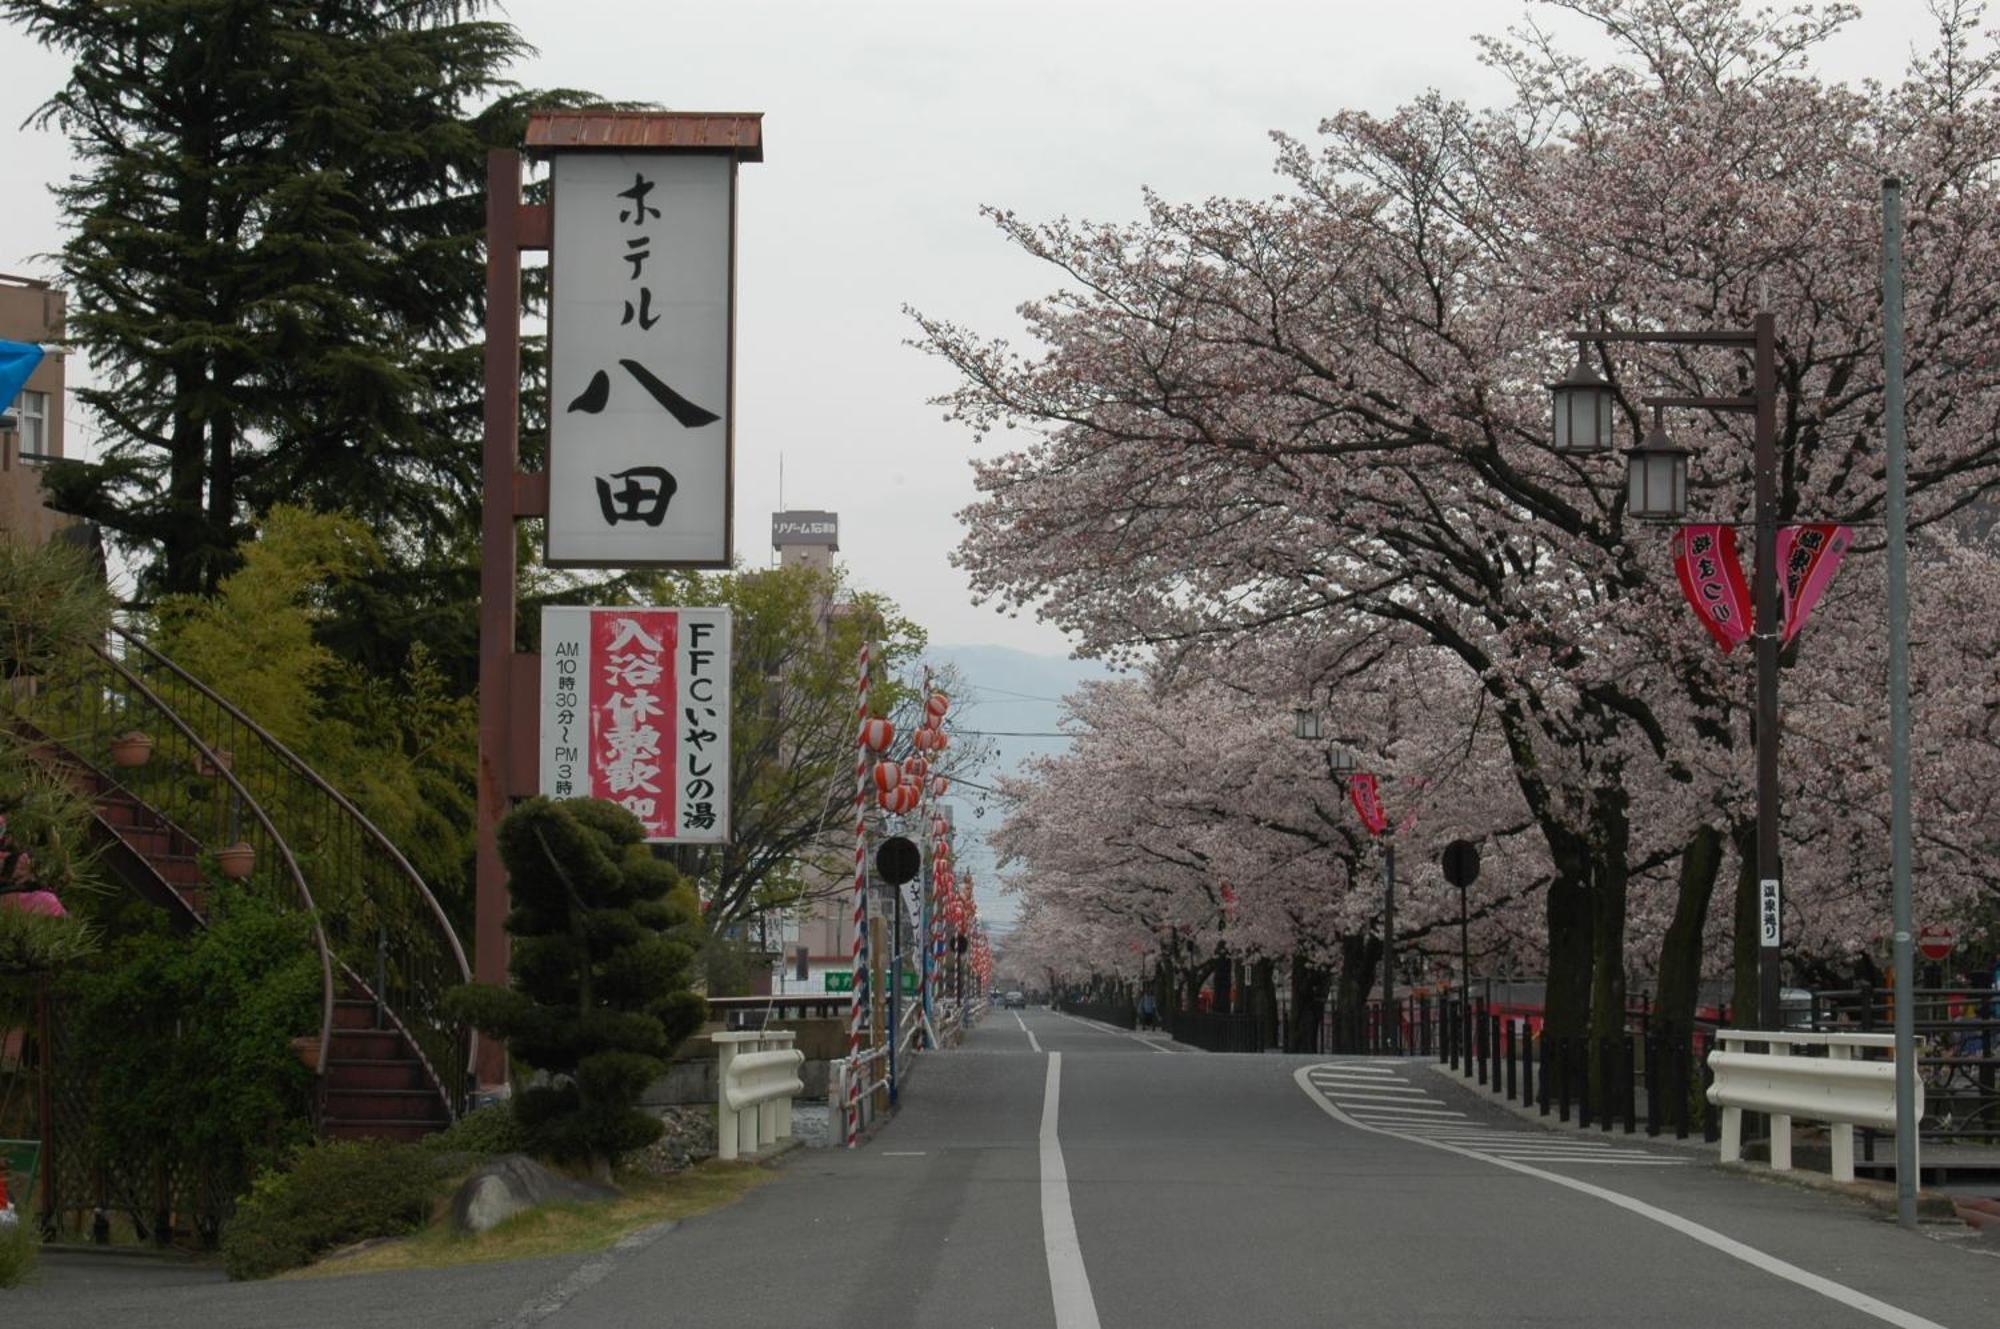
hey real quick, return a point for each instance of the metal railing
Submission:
(223, 779)
(1958, 1052)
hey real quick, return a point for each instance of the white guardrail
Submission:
(756, 1074)
(1838, 1088)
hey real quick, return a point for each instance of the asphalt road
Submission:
(1057, 1174)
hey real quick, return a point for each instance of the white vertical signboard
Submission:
(639, 359)
(635, 710)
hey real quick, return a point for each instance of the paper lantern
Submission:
(924, 739)
(899, 799)
(877, 733)
(939, 786)
(937, 706)
(887, 776)
(915, 768)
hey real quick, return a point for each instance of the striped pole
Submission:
(858, 950)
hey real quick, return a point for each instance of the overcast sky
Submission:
(887, 125)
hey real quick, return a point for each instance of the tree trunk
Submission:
(1680, 950)
(1310, 983)
(1607, 950)
(1567, 1005)
(1358, 959)
(1264, 1002)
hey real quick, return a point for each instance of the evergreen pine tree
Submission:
(275, 262)
(604, 937)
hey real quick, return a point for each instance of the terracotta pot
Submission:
(131, 749)
(236, 860)
(307, 1048)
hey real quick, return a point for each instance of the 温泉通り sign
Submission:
(635, 709)
(639, 359)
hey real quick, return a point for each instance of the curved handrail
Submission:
(256, 810)
(375, 888)
(312, 777)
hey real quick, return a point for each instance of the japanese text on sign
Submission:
(636, 711)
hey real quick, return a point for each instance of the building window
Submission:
(33, 410)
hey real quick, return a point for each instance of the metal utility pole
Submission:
(1392, 1033)
(1903, 958)
(1770, 636)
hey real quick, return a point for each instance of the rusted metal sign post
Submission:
(642, 294)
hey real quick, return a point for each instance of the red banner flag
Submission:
(1367, 799)
(1711, 578)
(1809, 555)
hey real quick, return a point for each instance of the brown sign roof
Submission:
(740, 133)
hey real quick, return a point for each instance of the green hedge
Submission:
(17, 1253)
(335, 1192)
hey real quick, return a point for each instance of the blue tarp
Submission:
(17, 360)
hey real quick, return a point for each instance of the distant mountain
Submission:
(1015, 697)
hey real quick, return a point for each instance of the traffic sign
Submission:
(1934, 941)
(1461, 862)
(839, 980)
(897, 860)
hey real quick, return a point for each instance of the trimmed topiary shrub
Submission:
(604, 941)
(336, 1192)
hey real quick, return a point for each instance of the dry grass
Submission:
(559, 1229)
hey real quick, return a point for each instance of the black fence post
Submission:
(1513, 1055)
(1527, 1065)
(1683, 1078)
(1499, 1053)
(1711, 1124)
(1583, 1060)
(1565, 1054)
(1479, 1037)
(1547, 1053)
(1451, 1032)
(1655, 1065)
(1628, 1079)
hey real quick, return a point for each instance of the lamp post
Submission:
(1341, 762)
(1656, 482)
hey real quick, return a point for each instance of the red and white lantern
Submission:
(877, 734)
(915, 769)
(888, 775)
(940, 785)
(936, 706)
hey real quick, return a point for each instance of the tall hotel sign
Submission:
(641, 393)
(641, 232)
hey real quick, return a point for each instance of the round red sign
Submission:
(1934, 943)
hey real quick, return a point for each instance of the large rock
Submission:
(509, 1185)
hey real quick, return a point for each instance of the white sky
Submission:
(887, 125)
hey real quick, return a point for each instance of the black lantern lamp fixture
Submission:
(1656, 476)
(1582, 409)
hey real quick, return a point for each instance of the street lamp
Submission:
(1656, 484)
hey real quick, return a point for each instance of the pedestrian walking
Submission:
(1149, 1014)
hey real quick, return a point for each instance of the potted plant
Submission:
(236, 860)
(307, 1048)
(131, 748)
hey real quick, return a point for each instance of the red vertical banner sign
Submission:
(633, 699)
(1809, 556)
(1711, 578)
(1366, 795)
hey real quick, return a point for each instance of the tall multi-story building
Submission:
(31, 311)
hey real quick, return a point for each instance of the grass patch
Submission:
(557, 1229)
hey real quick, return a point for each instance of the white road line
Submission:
(1032, 1044)
(1069, 1285)
(1346, 1097)
(1112, 1029)
(1709, 1237)
(1369, 1082)
(1355, 1068)
(1417, 1113)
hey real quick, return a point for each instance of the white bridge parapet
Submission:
(757, 1073)
(1838, 1088)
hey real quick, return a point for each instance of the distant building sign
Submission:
(639, 359)
(635, 709)
(805, 528)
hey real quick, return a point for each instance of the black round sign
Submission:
(897, 860)
(959, 943)
(1461, 862)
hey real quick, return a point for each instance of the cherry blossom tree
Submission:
(1321, 415)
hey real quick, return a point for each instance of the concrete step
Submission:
(358, 1073)
(341, 1128)
(383, 1104)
